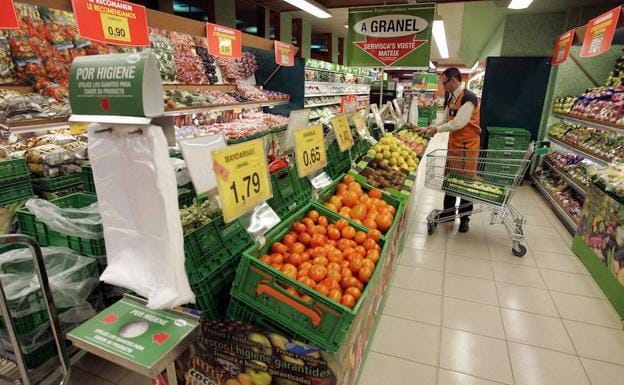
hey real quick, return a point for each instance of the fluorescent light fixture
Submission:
(475, 66)
(431, 65)
(519, 4)
(439, 35)
(346, 26)
(311, 7)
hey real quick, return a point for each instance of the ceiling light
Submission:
(346, 26)
(311, 7)
(431, 65)
(519, 4)
(439, 35)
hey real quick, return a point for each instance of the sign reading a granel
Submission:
(390, 36)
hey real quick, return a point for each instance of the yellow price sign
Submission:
(115, 27)
(360, 125)
(78, 128)
(310, 152)
(242, 177)
(343, 132)
(225, 46)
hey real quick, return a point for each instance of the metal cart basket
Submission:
(487, 178)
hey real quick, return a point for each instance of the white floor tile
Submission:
(526, 298)
(502, 253)
(597, 342)
(602, 373)
(537, 330)
(548, 244)
(410, 340)
(476, 355)
(560, 262)
(471, 289)
(571, 283)
(383, 369)
(467, 248)
(449, 377)
(414, 278)
(474, 267)
(413, 305)
(473, 317)
(436, 242)
(535, 366)
(586, 309)
(433, 260)
(519, 275)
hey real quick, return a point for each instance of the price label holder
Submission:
(259, 221)
(242, 177)
(362, 128)
(343, 132)
(197, 153)
(78, 128)
(377, 116)
(319, 181)
(296, 120)
(310, 154)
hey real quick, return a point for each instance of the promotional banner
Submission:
(223, 41)
(112, 21)
(390, 36)
(562, 47)
(284, 54)
(8, 17)
(599, 33)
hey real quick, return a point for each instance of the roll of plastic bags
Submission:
(84, 222)
(138, 199)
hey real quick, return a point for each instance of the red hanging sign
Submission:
(562, 47)
(348, 103)
(112, 21)
(284, 54)
(223, 41)
(599, 33)
(8, 16)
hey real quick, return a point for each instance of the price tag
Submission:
(115, 28)
(600, 32)
(310, 150)
(114, 22)
(343, 132)
(562, 47)
(242, 177)
(360, 125)
(78, 128)
(223, 41)
(284, 54)
(8, 16)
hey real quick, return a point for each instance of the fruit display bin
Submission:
(289, 191)
(402, 194)
(337, 162)
(321, 321)
(212, 290)
(13, 171)
(56, 187)
(45, 236)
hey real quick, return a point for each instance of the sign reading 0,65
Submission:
(242, 177)
(309, 150)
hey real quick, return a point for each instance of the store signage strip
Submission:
(284, 54)
(8, 16)
(600, 32)
(562, 47)
(223, 41)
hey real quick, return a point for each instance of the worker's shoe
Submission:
(463, 225)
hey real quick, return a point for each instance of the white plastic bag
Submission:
(138, 199)
(84, 222)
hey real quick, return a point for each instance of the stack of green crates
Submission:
(289, 191)
(56, 187)
(338, 162)
(15, 190)
(510, 143)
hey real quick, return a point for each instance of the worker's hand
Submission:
(431, 131)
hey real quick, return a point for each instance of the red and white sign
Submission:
(112, 21)
(284, 54)
(8, 16)
(562, 47)
(348, 103)
(223, 41)
(389, 50)
(599, 33)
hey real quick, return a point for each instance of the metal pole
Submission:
(381, 84)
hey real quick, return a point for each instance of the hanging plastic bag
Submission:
(84, 222)
(138, 198)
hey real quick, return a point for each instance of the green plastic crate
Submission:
(321, 321)
(240, 311)
(337, 162)
(403, 194)
(211, 245)
(15, 192)
(474, 193)
(212, 293)
(289, 191)
(186, 194)
(88, 185)
(13, 171)
(508, 131)
(45, 236)
(57, 187)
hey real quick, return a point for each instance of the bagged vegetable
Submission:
(84, 222)
(50, 154)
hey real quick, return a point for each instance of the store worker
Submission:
(462, 124)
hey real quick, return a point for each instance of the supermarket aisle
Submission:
(463, 310)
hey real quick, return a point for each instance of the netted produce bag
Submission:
(84, 222)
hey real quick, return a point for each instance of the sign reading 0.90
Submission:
(310, 150)
(242, 177)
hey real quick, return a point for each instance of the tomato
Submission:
(318, 240)
(348, 301)
(341, 188)
(341, 224)
(305, 266)
(375, 193)
(333, 266)
(297, 247)
(314, 215)
(375, 235)
(279, 247)
(334, 274)
(306, 298)
(359, 211)
(295, 259)
(368, 263)
(369, 244)
(311, 229)
(392, 210)
(289, 270)
(333, 233)
(298, 227)
(289, 239)
(335, 256)
(355, 187)
(331, 283)
(304, 238)
(344, 264)
(370, 223)
(336, 201)
(373, 256)
(277, 266)
(345, 212)
(347, 282)
(302, 273)
(323, 221)
(335, 294)
(292, 291)
(343, 244)
(361, 250)
(321, 230)
(354, 291)
(360, 237)
(348, 179)
(323, 261)
(305, 257)
(348, 232)
(318, 273)
(307, 281)
(266, 259)
(350, 198)
(277, 258)
(322, 289)
(384, 222)
(346, 272)
(331, 207)
(365, 274)
(356, 264)
(319, 252)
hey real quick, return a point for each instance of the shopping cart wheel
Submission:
(431, 227)
(520, 252)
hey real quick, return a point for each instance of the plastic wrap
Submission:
(7, 68)
(138, 198)
(182, 174)
(84, 222)
(161, 46)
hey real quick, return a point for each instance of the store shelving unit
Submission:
(563, 215)
(569, 180)
(597, 124)
(578, 151)
(224, 107)
(335, 94)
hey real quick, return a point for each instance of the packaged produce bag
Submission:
(138, 201)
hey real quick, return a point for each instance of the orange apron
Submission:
(468, 138)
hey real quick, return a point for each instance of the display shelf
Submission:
(565, 217)
(597, 124)
(24, 126)
(321, 104)
(223, 107)
(317, 83)
(336, 94)
(578, 151)
(569, 180)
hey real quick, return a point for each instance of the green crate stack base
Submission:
(60, 186)
(360, 148)
(45, 236)
(289, 191)
(322, 321)
(212, 292)
(15, 192)
(508, 138)
(187, 197)
(13, 171)
(337, 162)
(240, 311)
(88, 185)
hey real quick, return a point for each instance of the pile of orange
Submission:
(365, 209)
(334, 259)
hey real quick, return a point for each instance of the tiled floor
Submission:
(463, 311)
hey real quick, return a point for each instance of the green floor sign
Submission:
(131, 335)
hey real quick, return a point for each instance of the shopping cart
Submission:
(486, 178)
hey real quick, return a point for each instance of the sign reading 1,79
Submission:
(343, 132)
(309, 150)
(242, 177)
